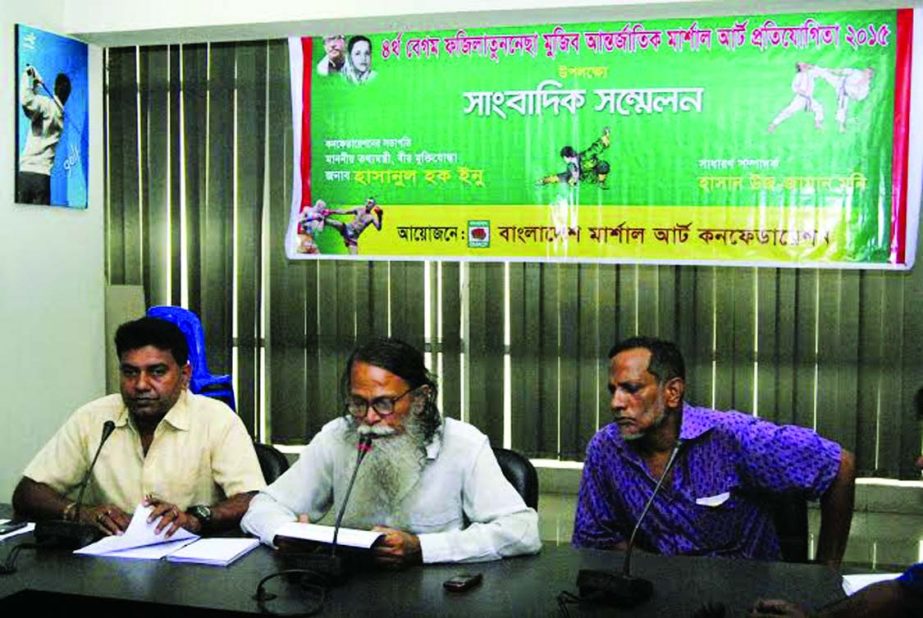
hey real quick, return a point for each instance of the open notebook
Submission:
(141, 542)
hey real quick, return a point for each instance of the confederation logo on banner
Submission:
(479, 234)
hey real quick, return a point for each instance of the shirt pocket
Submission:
(720, 519)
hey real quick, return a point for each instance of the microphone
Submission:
(73, 534)
(363, 448)
(621, 589)
(330, 566)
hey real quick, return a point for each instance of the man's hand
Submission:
(107, 517)
(777, 607)
(397, 549)
(32, 72)
(171, 518)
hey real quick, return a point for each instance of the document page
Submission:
(139, 533)
(348, 537)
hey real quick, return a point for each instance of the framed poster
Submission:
(52, 119)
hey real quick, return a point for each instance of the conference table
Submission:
(526, 586)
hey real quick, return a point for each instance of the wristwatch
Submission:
(202, 512)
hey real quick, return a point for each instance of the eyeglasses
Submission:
(383, 406)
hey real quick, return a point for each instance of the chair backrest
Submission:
(790, 517)
(202, 381)
(272, 462)
(521, 474)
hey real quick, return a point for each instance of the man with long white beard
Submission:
(432, 486)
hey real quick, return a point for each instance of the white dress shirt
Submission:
(462, 509)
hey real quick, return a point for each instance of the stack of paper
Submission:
(216, 552)
(27, 528)
(140, 541)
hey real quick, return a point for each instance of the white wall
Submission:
(116, 22)
(51, 278)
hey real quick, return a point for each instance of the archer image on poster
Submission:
(52, 119)
(748, 140)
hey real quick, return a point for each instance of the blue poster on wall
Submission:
(52, 119)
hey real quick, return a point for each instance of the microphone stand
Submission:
(622, 589)
(73, 534)
(330, 566)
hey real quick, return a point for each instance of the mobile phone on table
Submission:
(12, 526)
(462, 582)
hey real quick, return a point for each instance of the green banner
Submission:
(761, 139)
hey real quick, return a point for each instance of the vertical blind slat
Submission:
(216, 212)
(195, 130)
(251, 142)
(450, 345)
(485, 349)
(154, 157)
(124, 243)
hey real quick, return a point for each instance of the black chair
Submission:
(272, 462)
(521, 474)
(790, 517)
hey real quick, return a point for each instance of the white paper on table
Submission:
(854, 583)
(215, 552)
(348, 537)
(151, 552)
(139, 533)
(27, 528)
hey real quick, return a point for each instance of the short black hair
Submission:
(353, 40)
(404, 361)
(62, 87)
(161, 334)
(568, 152)
(666, 360)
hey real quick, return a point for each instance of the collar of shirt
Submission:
(435, 445)
(177, 417)
(696, 422)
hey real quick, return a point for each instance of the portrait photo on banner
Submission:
(52, 119)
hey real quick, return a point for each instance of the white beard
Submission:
(388, 474)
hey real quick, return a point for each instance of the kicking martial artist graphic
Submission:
(585, 166)
(368, 214)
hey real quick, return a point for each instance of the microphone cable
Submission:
(314, 583)
(317, 591)
(618, 589)
(363, 448)
(8, 567)
(626, 567)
